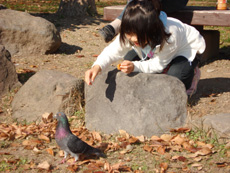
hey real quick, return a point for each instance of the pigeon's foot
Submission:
(63, 161)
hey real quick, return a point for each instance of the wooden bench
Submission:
(196, 16)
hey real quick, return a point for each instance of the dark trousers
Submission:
(182, 69)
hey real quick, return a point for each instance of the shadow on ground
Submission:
(224, 53)
(210, 87)
(68, 49)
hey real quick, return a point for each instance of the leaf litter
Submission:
(175, 148)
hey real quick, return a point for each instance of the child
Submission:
(110, 31)
(164, 45)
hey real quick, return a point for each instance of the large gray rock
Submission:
(23, 33)
(216, 125)
(8, 75)
(47, 91)
(141, 104)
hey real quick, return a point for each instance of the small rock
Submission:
(210, 70)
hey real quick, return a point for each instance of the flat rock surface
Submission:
(141, 104)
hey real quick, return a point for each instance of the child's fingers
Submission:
(88, 75)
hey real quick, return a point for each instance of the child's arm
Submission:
(112, 53)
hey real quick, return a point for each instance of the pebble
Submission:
(210, 70)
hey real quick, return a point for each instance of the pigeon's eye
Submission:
(59, 114)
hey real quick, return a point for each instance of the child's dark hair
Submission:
(141, 18)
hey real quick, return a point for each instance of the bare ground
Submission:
(81, 45)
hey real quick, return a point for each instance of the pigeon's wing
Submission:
(76, 145)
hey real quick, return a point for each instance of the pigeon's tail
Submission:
(97, 152)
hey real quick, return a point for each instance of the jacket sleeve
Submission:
(112, 53)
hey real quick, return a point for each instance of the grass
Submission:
(198, 134)
(6, 165)
(43, 6)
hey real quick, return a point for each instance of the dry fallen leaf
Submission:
(196, 165)
(43, 137)
(175, 157)
(141, 138)
(4, 153)
(33, 66)
(155, 138)
(178, 140)
(36, 150)
(198, 159)
(31, 142)
(44, 165)
(120, 167)
(25, 71)
(166, 137)
(204, 151)
(222, 164)
(164, 166)
(50, 151)
(96, 136)
(133, 140)
(72, 168)
(228, 153)
(95, 34)
(227, 146)
(107, 167)
(124, 134)
(47, 117)
(148, 148)
(199, 143)
(80, 56)
(181, 130)
(182, 159)
(61, 153)
(161, 150)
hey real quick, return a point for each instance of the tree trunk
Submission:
(76, 8)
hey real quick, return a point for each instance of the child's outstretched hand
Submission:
(126, 67)
(91, 74)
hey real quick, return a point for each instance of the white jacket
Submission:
(184, 41)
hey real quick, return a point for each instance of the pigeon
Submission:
(70, 143)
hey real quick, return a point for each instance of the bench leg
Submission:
(212, 40)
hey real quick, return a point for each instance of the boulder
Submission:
(214, 125)
(22, 33)
(48, 91)
(139, 103)
(8, 75)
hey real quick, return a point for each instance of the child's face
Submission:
(133, 39)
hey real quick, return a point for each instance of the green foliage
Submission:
(203, 136)
(5, 166)
(35, 6)
(80, 114)
(109, 3)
